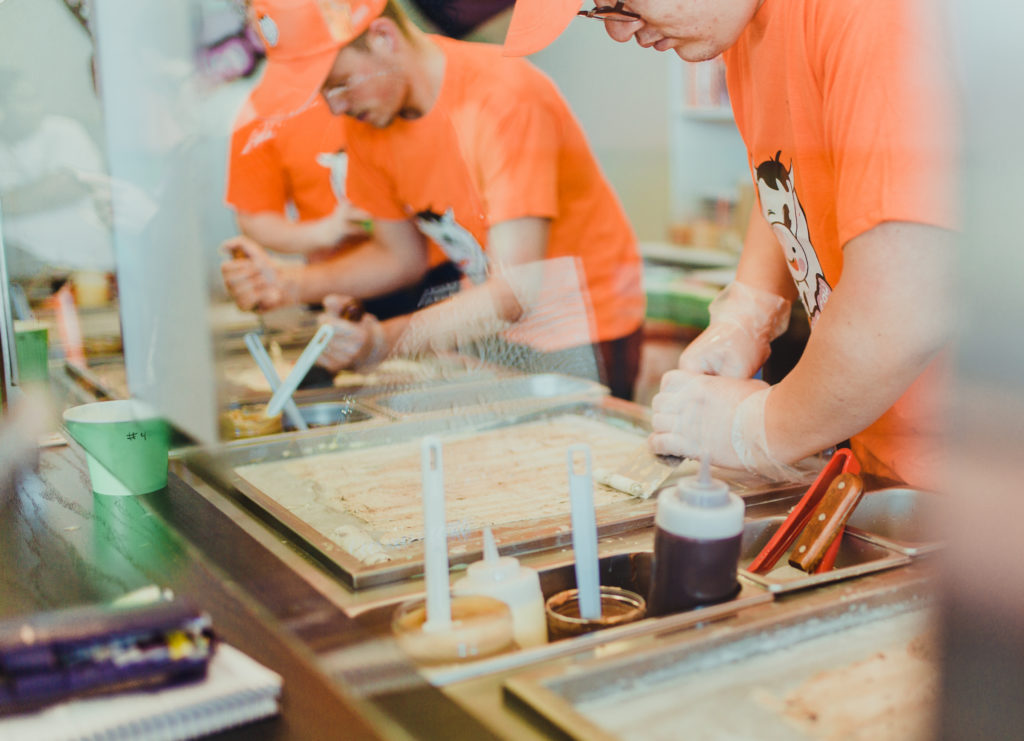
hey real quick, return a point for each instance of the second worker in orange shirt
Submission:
(452, 143)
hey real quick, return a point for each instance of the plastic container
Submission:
(479, 627)
(518, 586)
(618, 607)
(697, 538)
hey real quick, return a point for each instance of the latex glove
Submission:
(724, 417)
(256, 281)
(750, 440)
(744, 320)
(693, 415)
(359, 345)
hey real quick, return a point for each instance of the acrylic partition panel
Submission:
(152, 95)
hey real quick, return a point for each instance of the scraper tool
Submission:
(642, 475)
(843, 461)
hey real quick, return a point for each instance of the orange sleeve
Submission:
(368, 185)
(891, 118)
(256, 179)
(518, 146)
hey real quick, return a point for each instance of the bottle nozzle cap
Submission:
(490, 547)
(700, 493)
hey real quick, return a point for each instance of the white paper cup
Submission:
(125, 443)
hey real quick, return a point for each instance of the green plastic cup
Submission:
(31, 345)
(125, 443)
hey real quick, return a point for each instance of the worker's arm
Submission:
(277, 232)
(885, 321)
(748, 314)
(474, 312)
(762, 264)
(395, 258)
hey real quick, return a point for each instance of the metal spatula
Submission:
(642, 475)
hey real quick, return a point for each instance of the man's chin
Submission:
(695, 52)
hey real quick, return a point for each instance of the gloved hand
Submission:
(693, 414)
(256, 281)
(750, 440)
(744, 320)
(358, 345)
(696, 414)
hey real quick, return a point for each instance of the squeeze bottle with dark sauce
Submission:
(698, 530)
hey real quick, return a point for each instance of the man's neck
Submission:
(427, 65)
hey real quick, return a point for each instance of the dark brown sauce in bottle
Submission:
(687, 572)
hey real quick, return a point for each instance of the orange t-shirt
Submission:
(288, 160)
(500, 143)
(846, 112)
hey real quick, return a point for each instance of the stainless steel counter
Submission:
(268, 590)
(524, 697)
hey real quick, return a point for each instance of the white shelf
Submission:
(693, 257)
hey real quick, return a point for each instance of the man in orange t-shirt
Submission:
(291, 162)
(451, 141)
(846, 110)
(286, 184)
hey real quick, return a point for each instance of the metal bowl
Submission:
(328, 414)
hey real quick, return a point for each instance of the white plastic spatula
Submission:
(310, 353)
(584, 532)
(435, 537)
(259, 354)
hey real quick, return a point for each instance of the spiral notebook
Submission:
(237, 690)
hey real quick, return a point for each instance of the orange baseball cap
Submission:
(302, 39)
(536, 23)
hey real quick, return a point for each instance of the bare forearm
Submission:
(366, 271)
(481, 311)
(884, 323)
(762, 264)
(278, 233)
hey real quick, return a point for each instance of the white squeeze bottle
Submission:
(518, 586)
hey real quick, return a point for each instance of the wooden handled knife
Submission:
(827, 521)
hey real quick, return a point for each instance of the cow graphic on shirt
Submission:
(457, 242)
(337, 163)
(781, 207)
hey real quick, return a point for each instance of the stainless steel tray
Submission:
(906, 520)
(475, 392)
(713, 682)
(529, 534)
(856, 557)
(407, 560)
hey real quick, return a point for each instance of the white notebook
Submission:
(236, 690)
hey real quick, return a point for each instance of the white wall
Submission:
(707, 154)
(660, 160)
(42, 38)
(618, 92)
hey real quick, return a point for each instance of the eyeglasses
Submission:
(611, 13)
(337, 92)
